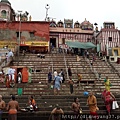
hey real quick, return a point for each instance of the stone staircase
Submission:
(104, 68)
(47, 103)
(56, 62)
(44, 94)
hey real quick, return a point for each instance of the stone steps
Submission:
(44, 95)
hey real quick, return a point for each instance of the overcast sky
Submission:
(97, 11)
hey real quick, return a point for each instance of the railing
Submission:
(92, 69)
(56, 51)
(115, 70)
(3, 63)
(52, 63)
(65, 64)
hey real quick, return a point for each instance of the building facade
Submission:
(108, 37)
(32, 33)
(61, 32)
(6, 11)
(44, 33)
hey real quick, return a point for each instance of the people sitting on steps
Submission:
(56, 113)
(32, 106)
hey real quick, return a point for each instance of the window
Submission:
(110, 38)
(17, 34)
(3, 14)
(32, 34)
(63, 40)
(88, 39)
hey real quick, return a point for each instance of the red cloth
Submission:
(94, 115)
(107, 99)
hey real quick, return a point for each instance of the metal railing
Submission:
(52, 63)
(113, 68)
(65, 64)
(3, 63)
(92, 69)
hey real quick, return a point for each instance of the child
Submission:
(79, 79)
(71, 82)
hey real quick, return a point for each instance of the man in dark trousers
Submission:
(62, 75)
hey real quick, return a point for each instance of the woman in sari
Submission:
(108, 98)
(107, 83)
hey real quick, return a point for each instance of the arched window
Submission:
(3, 13)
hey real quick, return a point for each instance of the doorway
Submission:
(115, 52)
(53, 42)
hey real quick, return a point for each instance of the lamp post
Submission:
(19, 37)
(20, 15)
(47, 8)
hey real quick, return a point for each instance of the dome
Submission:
(85, 22)
(86, 25)
(76, 24)
(5, 1)
(60, 24)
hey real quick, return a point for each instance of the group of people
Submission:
(107, 96)
(13, 107)
(10, 77)
(7, 75)
(91, 103)
(77, 109)
(59, 78)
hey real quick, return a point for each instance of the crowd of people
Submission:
(57, 79)
(7, 76)
(107, 96)
(76, 108)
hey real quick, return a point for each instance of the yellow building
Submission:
(116, 51)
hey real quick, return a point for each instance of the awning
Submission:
(35, 43)
(76, 44)
(90, 45)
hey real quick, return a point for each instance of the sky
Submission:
(95, 11)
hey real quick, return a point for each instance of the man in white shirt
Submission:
(12, 73)
(9, 73)
(10, 54)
